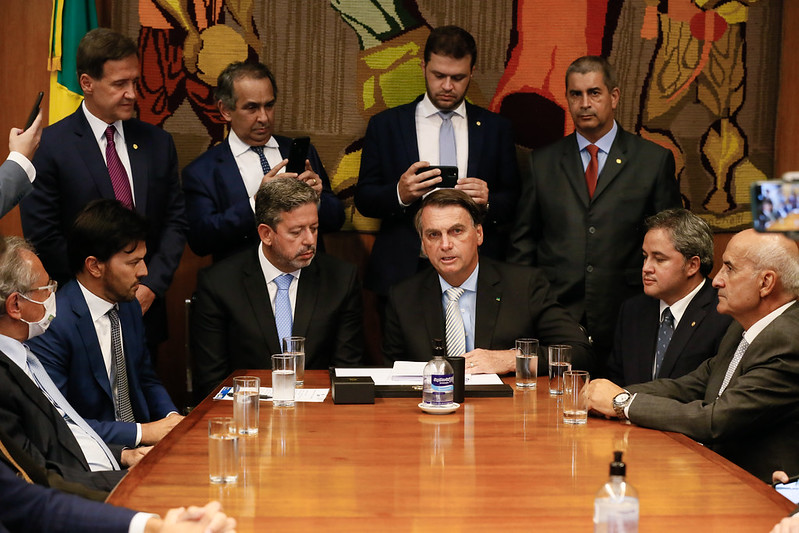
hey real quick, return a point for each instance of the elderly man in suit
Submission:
(96, 351)
(438, 128)
(221, 184)
(479, 305)
(581, 214)
(674, 326)
(247, 303)
(101, 151)
(743, 403)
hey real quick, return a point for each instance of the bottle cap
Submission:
(438, 348)
(617, 467)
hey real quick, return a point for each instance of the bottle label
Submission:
(443, 382)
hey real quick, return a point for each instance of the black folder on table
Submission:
(402, 390)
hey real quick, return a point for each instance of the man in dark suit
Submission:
(100, 151)
(479, 305)
(17, 172)
(407, 139)
(33, 413)
(221, 184)
(674, 326)
(247, 303)
(580, 217)
(96, 352)
(742, 403)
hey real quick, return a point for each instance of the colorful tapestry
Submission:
(697, 76)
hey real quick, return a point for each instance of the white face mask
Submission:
(41, 325)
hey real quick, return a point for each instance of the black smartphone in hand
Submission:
(34, 111)
(298, 153)
(449, 175)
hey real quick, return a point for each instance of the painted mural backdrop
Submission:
(698, 77)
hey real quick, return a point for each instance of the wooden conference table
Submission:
(495, 464)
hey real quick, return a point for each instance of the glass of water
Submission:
(296, 347)
(223, 450)
(246, 404)
(284, 371)
(526, 363)
(560, 360)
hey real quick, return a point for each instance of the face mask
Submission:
(41, 325)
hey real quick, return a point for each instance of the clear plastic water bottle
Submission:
(616, 503)
(438, 378)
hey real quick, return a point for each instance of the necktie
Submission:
(264, 163)
(283, 316)
(47, 386)
(456, 334)
(592, 170)
(119, 178)
(447, 151)
(736, 359)
(665, 332)
(119, 371)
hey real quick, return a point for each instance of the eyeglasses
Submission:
(52, 287)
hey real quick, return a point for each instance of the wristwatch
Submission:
(620, 402)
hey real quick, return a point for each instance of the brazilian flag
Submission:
(72, 19)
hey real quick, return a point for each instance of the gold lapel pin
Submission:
(693, 324)
(135, 146)
(618, 161)
(478, 123)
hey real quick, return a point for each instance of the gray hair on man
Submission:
(778, 253)
(16, 274)
(690, 235)
(279, 196)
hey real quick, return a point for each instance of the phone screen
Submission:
(789, 490)
(34, 112)
(298, 154)
(775, 206)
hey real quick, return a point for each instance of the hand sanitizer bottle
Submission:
(616, 503)
(438, 380)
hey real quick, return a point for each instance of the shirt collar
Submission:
(99, 126)
(97, 306)
(603, 143)
(271, 271)
(15, 351)
(428, 109)
(469, 285)
(678, 308)
(756, 328)
(238, 147)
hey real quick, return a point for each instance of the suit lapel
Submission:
(86, 145)
(432, 310)
(138, 165)
(406, 125)
(474, 116)
(616, 161)
(258, 297)
(646, 340)
(88, 336)
(489, 301)
(307, 292)
(690, 321)
(572, 166)
(227, 173)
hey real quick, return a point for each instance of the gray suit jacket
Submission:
(755, 423)
(14, 185)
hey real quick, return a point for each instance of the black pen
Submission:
(790, 480)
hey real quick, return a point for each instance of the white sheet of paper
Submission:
(383, 376)
(300, 395)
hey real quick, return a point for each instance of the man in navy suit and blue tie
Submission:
(438, 128)
(96, 352)
(220, 185)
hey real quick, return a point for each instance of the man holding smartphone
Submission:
(221, 184)
(17, 172)
(439, 128)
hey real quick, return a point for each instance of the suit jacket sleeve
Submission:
(349, 338)
(503, 193)
(14, 184)
(208, 337)
(525, 233)
(615, 366)
(376, 192)
(393, 341)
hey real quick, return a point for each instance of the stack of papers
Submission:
(300, 395)
(409, 373)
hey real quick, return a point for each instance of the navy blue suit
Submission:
(70, 352)
(221, 221)
(390, 147)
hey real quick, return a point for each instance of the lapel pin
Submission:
(135, 146)
(618, 161)
(479, 123)
(693, 324)
(498, 299)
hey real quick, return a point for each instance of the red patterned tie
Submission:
(119, 178)
(591, 169)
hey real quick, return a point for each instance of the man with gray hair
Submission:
(674, 326)
(743, 403)
(247, 303)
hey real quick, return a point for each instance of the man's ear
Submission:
(12, 306)
(768, 282)
(266, 233)
(94, 267)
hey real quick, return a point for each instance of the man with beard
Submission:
(96, 352)
(438, 128)
(246, 304)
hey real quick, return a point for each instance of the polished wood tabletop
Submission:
(495, 464)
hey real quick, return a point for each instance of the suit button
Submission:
(589, 268)
(592, 230)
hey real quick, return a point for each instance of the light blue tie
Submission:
(283, 316)
(447, 150)
(57, 399)
(264, 163)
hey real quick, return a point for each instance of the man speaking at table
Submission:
(743, 403)
(479, 305)
(247, 303)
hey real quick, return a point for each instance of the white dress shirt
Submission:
(270, 272)
(678, 308)
(249, 162)
(98, 129)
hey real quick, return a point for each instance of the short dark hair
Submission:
(447, 197)
(279, 196)
(225, 92)
(101, 45)
(690, 235)
(586, 64)
(451, 41)
(102, 229)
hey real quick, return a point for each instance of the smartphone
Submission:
(449, 175)
(34, 111)
(298, 153)
(775, 204)
(790, 490)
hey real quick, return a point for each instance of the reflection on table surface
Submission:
(495, 463)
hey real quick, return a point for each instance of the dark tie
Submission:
(665, 332)
(119, 178)
(283, 317)
(592, 170)
(119, 371)
(447, 150)
(264, 163)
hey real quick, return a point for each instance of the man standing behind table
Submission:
(580, 216)
(96, 351)
(743, 403)
(438, 128)
(480, 306)
(247, 303)
(101, 151)
(221, 184)
(673, 327)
